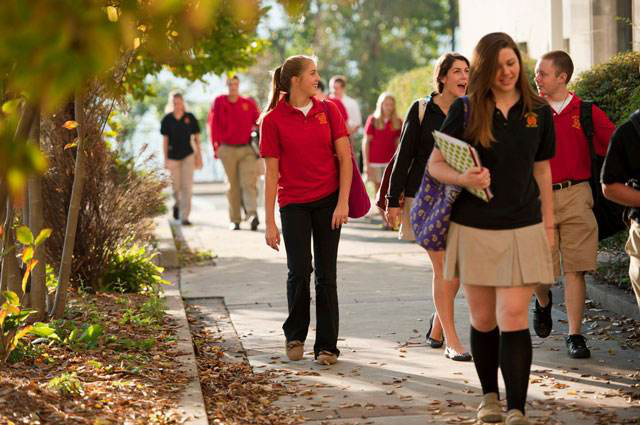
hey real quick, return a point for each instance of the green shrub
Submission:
(614, 86)
(131, 269)
(409, 86)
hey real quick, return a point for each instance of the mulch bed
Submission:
(131, 377)
(233, 393)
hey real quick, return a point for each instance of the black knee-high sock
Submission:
(515, 363)
(485, 351)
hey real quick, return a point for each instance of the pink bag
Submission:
(359, 202)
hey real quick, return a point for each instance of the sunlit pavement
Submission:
(386, 374)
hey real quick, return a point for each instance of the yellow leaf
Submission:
(142, 28)
(174, 33)
(22, 332)
(25, 278)
(136, 42)
(70, 125)
(70, 145)
(27, 254)
(112, 13)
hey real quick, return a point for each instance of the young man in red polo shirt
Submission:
(231, 119)
(575, 225)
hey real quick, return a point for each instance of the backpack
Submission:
(381, 196)
(609, 215)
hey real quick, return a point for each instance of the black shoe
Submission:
(176, 212)
(234, 226)
(186, 223)
(254, 223)
(433, 343)
(542, 321)
(577, 347)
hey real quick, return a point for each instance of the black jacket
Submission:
(416, 144)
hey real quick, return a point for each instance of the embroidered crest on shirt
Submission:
(576, 122)
(245, 107)
(186, 120)
(322, 118)
(532, 119)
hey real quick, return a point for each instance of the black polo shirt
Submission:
(622, 162)
(179, 133)
(520, 141)
(416, 144)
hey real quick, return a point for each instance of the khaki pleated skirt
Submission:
(513, 257)
(406, 230)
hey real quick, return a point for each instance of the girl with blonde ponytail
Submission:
(300, 138)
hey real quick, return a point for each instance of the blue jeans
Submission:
(301, 222)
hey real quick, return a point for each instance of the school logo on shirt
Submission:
(186, 120)
(532, 119)
(576, 122)
(322, 118)
(245, 107)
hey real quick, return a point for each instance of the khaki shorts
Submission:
(376, 174)
(499, 258)
(633, 249)
(576, 230)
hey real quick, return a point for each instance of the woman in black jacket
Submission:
(451, 74)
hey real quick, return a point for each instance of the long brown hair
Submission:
(378, 121)
(484, 66)
(293, 66)
(442, 67)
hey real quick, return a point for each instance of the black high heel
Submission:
(433, 343)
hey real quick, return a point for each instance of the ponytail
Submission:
(275, 89)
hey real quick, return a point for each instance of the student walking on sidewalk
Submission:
(451, 76)
(300, 138)
(181, 154)
(500, 250)
(576, 228)
(231, 119)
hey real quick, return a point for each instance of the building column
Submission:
(635, 18)
(554, 9)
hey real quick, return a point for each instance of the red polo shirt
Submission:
(231, 122)
(383, 142)
(305, 149)
(572, 160)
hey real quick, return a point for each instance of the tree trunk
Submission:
(74, 213)
(10, 274)
(38, 288)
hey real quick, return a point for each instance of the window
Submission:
(624, 25)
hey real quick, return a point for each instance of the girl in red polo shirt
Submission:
(382, 135)
(300, 139)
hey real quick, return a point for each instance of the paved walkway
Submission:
(386, 374)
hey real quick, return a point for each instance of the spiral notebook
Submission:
(461, 156)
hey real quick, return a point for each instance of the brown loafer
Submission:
(516, 417)
(295, 350)
(326, 358)
(489, 410)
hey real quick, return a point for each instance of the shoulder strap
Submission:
(467, 110)
(635, 120)
(586, 122)
(422, 108)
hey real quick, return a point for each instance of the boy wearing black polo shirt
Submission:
(620, 177)
(576, 229)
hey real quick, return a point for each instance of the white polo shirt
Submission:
(353, 111)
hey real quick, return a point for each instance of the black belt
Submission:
(567, 183)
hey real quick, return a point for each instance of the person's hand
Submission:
(393, 216)
(476, 177)
(272, 236)
(198, 161)
(340, 216)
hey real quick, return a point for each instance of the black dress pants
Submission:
(300, 224)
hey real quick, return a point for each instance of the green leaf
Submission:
(44, 330)
(11, 297)
(24, 235)
(27, 254)
(43, 236)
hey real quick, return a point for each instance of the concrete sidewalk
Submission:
(386, 374)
